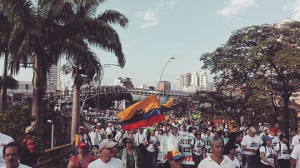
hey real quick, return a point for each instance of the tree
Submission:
(264, 58)
(95, 31)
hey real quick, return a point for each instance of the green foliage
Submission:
(15, 120)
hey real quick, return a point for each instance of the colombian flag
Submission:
(143, 113)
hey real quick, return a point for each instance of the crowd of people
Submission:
(208, 146)
(169, 144)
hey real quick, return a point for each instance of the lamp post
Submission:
(162, 74)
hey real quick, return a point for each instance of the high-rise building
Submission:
(193, 81)
(53, 78)
(163, 85)
(185, 80)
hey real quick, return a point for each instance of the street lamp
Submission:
(163, 72)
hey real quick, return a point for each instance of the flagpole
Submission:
(162, 74)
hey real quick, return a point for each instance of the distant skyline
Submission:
(160, 29)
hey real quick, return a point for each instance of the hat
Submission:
(272, 130)
(266, 137)
(93, 126)
(29, 129)
(107, 143)
(81, 127)
(282, 136)
(109, 124)
(278, 131)
(99, 124)
(81, 145)
(265, 128)
(174, 155)
(152, 129)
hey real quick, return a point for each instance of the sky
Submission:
(184, 30)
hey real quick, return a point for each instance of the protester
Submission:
(151, 142)
(275, 139)
(4, 139)
(11, 154)
(130, 156)
(236, 139)
(119, 138)
(198, 148)
(31, 149)
(250, 144)
(230, 153)
(267, 153)
(296, 138)
(174, 159)
(283, 150)
(106, 159)
(95, 137)
(140, 137)
(82, 159)
(216, 159)
(172, 142)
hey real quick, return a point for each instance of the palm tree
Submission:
(5, 35)
(54, 28)
(96, 31)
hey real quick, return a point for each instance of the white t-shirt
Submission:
(20, 166)
(139, 138)
(4, 140)
(295, 140)
(284, 152)
(296, 155)
(251, 143)
(183, 133)
(108, 130)
(269, 154)
(209, 163)
(235, 162)
(153, 142)
(198, 146)
(95, 137)
(172, 142)
(113, 163)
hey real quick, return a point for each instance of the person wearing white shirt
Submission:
(183, 131)
(4, 140)
(230, 153)
(12, 153)
(216, 159)
(250, 144)
(173, 141)
(283, 150)
(296, 138)
(95, 137)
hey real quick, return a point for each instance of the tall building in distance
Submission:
(193, 81)
(53, 78)
(163, 85)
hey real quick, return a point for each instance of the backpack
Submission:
(287, 145)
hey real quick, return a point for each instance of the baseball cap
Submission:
(278, 131)
(174, 155)
(93, 126)
(272, 130)
(266, 137)
(29, 129)
(152, 129)
(81, 145)
(266, 129)
(99, 124)
(107, 143)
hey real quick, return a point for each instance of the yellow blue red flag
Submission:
(143, 113)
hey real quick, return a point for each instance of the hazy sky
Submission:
(183, 29)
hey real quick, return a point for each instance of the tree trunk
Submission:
(286, 115)
(36, 110)
(3, 90)
(76, 105)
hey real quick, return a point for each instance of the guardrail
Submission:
(57, 157)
